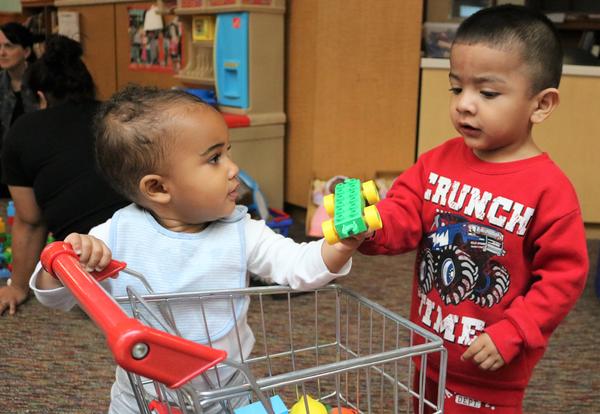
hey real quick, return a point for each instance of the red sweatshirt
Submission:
(502, 250)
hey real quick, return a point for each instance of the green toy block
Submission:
(349, 205)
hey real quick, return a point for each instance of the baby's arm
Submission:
(335, 256)
(281, 260)
(94, 255)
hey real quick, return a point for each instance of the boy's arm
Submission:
(559, 271)
(400, 213)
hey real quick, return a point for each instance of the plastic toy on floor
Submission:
(314, 406)
(253, 198)
(258, 407)
(6, 242)
(347, 209)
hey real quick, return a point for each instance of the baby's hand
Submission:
(484, 353)
(351, 243)
(93, 254)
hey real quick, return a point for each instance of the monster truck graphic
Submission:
(456, 259)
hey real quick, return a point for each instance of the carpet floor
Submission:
(54, 362)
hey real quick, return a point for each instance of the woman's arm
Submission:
(29, 235)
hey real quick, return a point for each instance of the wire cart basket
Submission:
(329, 345)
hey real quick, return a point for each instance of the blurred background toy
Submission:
(253, 198)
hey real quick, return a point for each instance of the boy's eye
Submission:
(455, 91)
(489, 94)
(215, 158)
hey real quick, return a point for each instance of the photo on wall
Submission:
(154, 40)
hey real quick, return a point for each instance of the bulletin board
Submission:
(157, 49)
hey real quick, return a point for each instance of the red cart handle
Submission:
(136, 347)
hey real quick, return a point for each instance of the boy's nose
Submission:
(465, 104)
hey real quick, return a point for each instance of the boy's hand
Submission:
(94, 255)
(484, 353)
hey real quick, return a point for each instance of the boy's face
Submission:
(201, 178)
(491, 103)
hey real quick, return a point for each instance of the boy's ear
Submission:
(152, 188)
(546, 102)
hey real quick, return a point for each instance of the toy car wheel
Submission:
(456, 274)
(329, 232)
(426, 270)
(369, 190)
(491, 286)
(329, 204)
(372, 218)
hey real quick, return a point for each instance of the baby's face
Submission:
(491, 104)
(201, 178)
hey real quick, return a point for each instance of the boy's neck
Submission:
(510, 153)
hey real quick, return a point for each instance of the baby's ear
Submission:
(546, 102)
(152, 189)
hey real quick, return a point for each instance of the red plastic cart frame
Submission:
(136, 347)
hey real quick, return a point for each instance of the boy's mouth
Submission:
(468, 129)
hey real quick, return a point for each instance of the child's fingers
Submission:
(487, 363)
(473, 349)
(74, 240)
(498, 364)
(481, 357)
(99, 256)
(85, 249)
(105, 258)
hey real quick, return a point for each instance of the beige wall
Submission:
(352, 89)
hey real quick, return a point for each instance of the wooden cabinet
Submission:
(571, 135)
(352, 89)
(105, 41)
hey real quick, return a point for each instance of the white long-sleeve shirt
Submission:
(269, 255)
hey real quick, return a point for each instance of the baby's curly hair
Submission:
(134, 131)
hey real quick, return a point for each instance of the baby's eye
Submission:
(455, 91)
(215, 158)
(489, 94)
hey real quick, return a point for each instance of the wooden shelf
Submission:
(579, 25)
(37, 3)
(195, 80)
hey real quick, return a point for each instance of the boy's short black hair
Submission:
(518, 28)
(134, 133)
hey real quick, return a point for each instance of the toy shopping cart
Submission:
(329, 351)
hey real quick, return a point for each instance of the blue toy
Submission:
(258, 408)
(276, 219)
(207, 95)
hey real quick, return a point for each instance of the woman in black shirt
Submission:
(48, 163)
